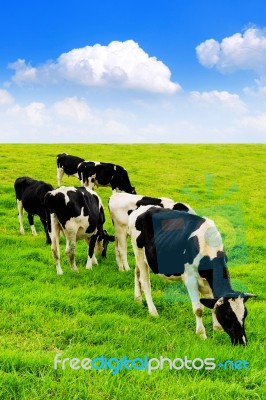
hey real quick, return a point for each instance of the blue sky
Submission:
(133, 71)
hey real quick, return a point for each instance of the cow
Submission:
(95, 173)
(120, 205)
(67, 164)
(79, 214)
(177, 244)
(30, 195)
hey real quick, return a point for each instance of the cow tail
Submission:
(47, 206)
(101, 223)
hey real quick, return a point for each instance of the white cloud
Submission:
(220, 98)
(24, 73)
(5, 97)
(258, 90)
(245, 51)
(74, 109)
(73, 120)
(34, 114)
(119, 64)
(255, 123)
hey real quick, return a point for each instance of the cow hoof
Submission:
(201, 332)
(22, 232)
(217, 328)
(154, 313)
(202, 335)
(138, 299)
(60, 272)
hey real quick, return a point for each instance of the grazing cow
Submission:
(93, 173)
(175, 243)
(120, 205)
(78, 213)
(67, 164)
(30, 196)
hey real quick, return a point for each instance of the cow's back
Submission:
(71, 203)
(164, 234)
(31, 192)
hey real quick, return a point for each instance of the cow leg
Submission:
(31, 222)
(144, 281)
(60, 173)
(43, 220)
(91, 257)
(137, 290)
(117, 255)
(70, 249)
(206, 292)
(190, 278)
(55, 234)
(121, 248)
(20, 216)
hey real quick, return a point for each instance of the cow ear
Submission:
(212, 303)
(248, 295)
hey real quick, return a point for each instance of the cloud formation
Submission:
(245, 51)
(5, 97)
(220, 98)
(120, 64)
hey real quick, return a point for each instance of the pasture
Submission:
(93, 314)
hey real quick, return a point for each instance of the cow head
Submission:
(102, 243)
(231, 312)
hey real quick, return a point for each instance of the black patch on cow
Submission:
(192, 250)
(164, 234)
(217, 275)
(180, 207)
(149, 201)
(68, 163)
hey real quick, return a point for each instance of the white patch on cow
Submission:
(167, 203)
(238, 308)
(210, 241)
(64, 190)
(90, 161)
(79, 225)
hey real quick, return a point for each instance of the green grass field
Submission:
(93, 314)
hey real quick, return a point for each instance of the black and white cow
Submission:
(175, 243)
(94, 173)
(120, 205)
(30, 196)
(79, 214)
(67, 164)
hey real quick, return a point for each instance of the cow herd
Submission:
(167, 237)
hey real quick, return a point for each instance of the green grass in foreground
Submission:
(92, 313)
